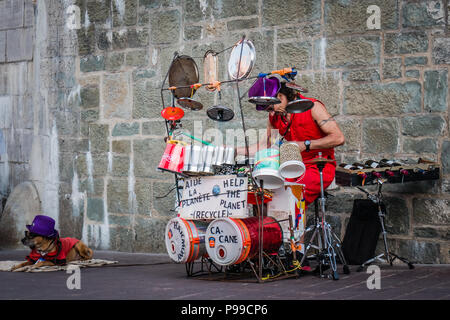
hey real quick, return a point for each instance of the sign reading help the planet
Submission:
(214, 197)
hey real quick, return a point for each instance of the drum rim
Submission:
(183, 226)
(290, 163)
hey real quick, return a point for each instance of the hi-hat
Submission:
(220, 113)
(299, 106)
(172, 113)
(294, 86)
(189, 103)
(264, 101)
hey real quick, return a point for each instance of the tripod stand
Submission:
(389, 256)
(328, 244)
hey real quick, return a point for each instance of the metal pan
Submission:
(183, 72)
(247, 60)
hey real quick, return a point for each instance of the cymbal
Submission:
(220, 113)
(299, 106)
(319, 160)
(189, 103)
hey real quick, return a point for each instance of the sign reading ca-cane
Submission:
(214, 197)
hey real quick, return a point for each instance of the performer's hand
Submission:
(301, 145)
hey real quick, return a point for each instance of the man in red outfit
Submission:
(314, 131)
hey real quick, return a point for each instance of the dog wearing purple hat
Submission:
(47, 248)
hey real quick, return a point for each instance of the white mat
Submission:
(7, 265)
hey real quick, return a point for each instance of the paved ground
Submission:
(154, 277)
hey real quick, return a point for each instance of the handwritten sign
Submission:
(214, 197)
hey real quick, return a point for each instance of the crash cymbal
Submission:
(189, 103)
(172, 113)
(319, 160)
(220, 113)
(299, 106)
(183, 71)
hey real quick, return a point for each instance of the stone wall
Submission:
(97, 87)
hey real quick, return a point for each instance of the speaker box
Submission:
(363, 231)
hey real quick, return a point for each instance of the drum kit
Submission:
(256, 241)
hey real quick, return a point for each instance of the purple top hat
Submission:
(44, 226)
(272, 86)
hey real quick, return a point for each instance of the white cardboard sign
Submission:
(214, 197)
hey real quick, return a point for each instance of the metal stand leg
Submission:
(389, 256)
(329, 244)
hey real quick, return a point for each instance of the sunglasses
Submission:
(31, 234)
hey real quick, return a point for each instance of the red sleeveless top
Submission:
(303, 128)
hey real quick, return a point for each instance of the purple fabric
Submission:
(257, 90)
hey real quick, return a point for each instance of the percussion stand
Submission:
(389, 256)
(328, 242)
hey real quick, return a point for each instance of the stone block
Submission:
(369, 75)
(383, 98)
(163, 205)
(441, 50)
(121, 146)
(412, 74)
(418, 251)
(147, 99)
(119, 220)
(120, 166)
(405, 42)
(99, 137)
(90, 96)
(98, 12)
(137, 58)
(117, 195)
(2, 46)
(380, 135)
(92, 63)
(114, 61)
(291, 12)
(154, 4)
(351, 16)
(93, 187)
(117, 96)
(298, 54)
(137, 38)
(423, 125)
(121, 238)
(150, 235)
(11, 14)
(425, 232)
(351, 51)
(233, 8)
(124, 12)
(351, 128)
(423, 14)
(143, 190)
(325, 87)
(392, 68)
(95, 209)
(445, 156)
(87, 40)
(120, 39)
(435, 90)
(154, 128)
(431, 211)
(419, 145)
(192, 32)
(87, 116)
(242, 24)
(125, 129)
(397, 217)
(147, 155)
(19, 44)
(413, 61)
(165, 27)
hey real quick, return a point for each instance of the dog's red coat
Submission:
(59, 256)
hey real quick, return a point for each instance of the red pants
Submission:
(311, 180)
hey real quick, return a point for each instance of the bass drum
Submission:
(232, 241)
(185, 239)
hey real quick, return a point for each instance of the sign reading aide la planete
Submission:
(214, 197)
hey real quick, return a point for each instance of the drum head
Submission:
(210, 68)
(247, 60)
(183, 72)
(189, 103)
(172, 113)
(264, 101)
(220, 113)
(177, 240)
(299, 106)
(224, 242)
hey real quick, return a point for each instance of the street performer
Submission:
(314, 131)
